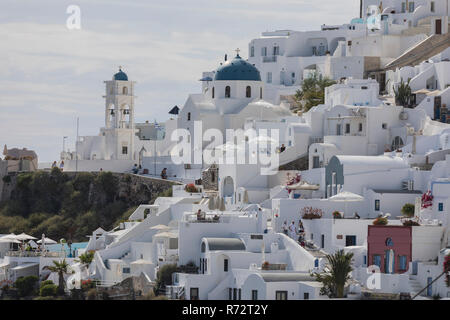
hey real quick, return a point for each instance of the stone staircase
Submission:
(415, 285)
(424, 50)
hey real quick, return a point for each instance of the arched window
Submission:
(227, 92)
(125, 91)
(203, 247)
(248, 92)
(260, 93)
(189, 116)
(213, 92)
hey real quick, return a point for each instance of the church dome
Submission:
(237, 69)
(121, 76)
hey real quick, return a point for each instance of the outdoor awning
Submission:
(303, 186)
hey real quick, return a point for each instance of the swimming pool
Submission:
(75, 246)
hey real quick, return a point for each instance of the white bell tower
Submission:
(119, 127)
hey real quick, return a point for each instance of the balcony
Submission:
(269, 59)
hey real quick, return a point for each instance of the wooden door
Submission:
(438, 26)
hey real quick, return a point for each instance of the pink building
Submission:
(390, 248)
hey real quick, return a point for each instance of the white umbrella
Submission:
(10, 236)
(346, 197)
(4, 240)
(211, 204)
(160, 227)
(47, 241)
(246, 199)
(222, 204)
(24, 237)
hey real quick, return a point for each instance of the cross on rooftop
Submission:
(237, 51)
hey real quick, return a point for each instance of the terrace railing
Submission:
(28, 254)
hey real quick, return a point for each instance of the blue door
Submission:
(415, 267)
(430, 287)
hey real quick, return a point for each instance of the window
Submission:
(384, 126)
(189, 116)
(377, 260)
(440, 207)
(264, 51)
(260, 93)
(256, 237)
(194, 294)
(306, 296)
(227, 92)
(203, 247)
(248, 92)
(411, 6)
(239, 294)
(338, 130)
(360, 127)
(230, 294)
(234, 294)
(402, 262)
(276, 50)
(316, 162)
(322, 241)
(254, 295)
(281, 295)
(269, 77)
(293, 74)
(125, 91)
(432, 6)
(347, 128)
(225, 265)
(252, 51)
(126, 270)
(350, 241)
(124, 150)
(377, 205)
(403, 7)
(213, 92)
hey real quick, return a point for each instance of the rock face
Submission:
(210, 178)
(133, 189)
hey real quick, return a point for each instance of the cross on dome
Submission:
(237, 51)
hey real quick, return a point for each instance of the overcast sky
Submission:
(50, 74)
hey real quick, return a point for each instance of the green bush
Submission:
(46, 282)
(48, 290)
(6, 179)
(26, 286)
(164, 277)
(409, 209)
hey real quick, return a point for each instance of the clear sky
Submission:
(51, 75)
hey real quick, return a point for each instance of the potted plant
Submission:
(265, 265)
(380, 221)
(191, 188)
(310, 213)
(337, 215)
(408, 210)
